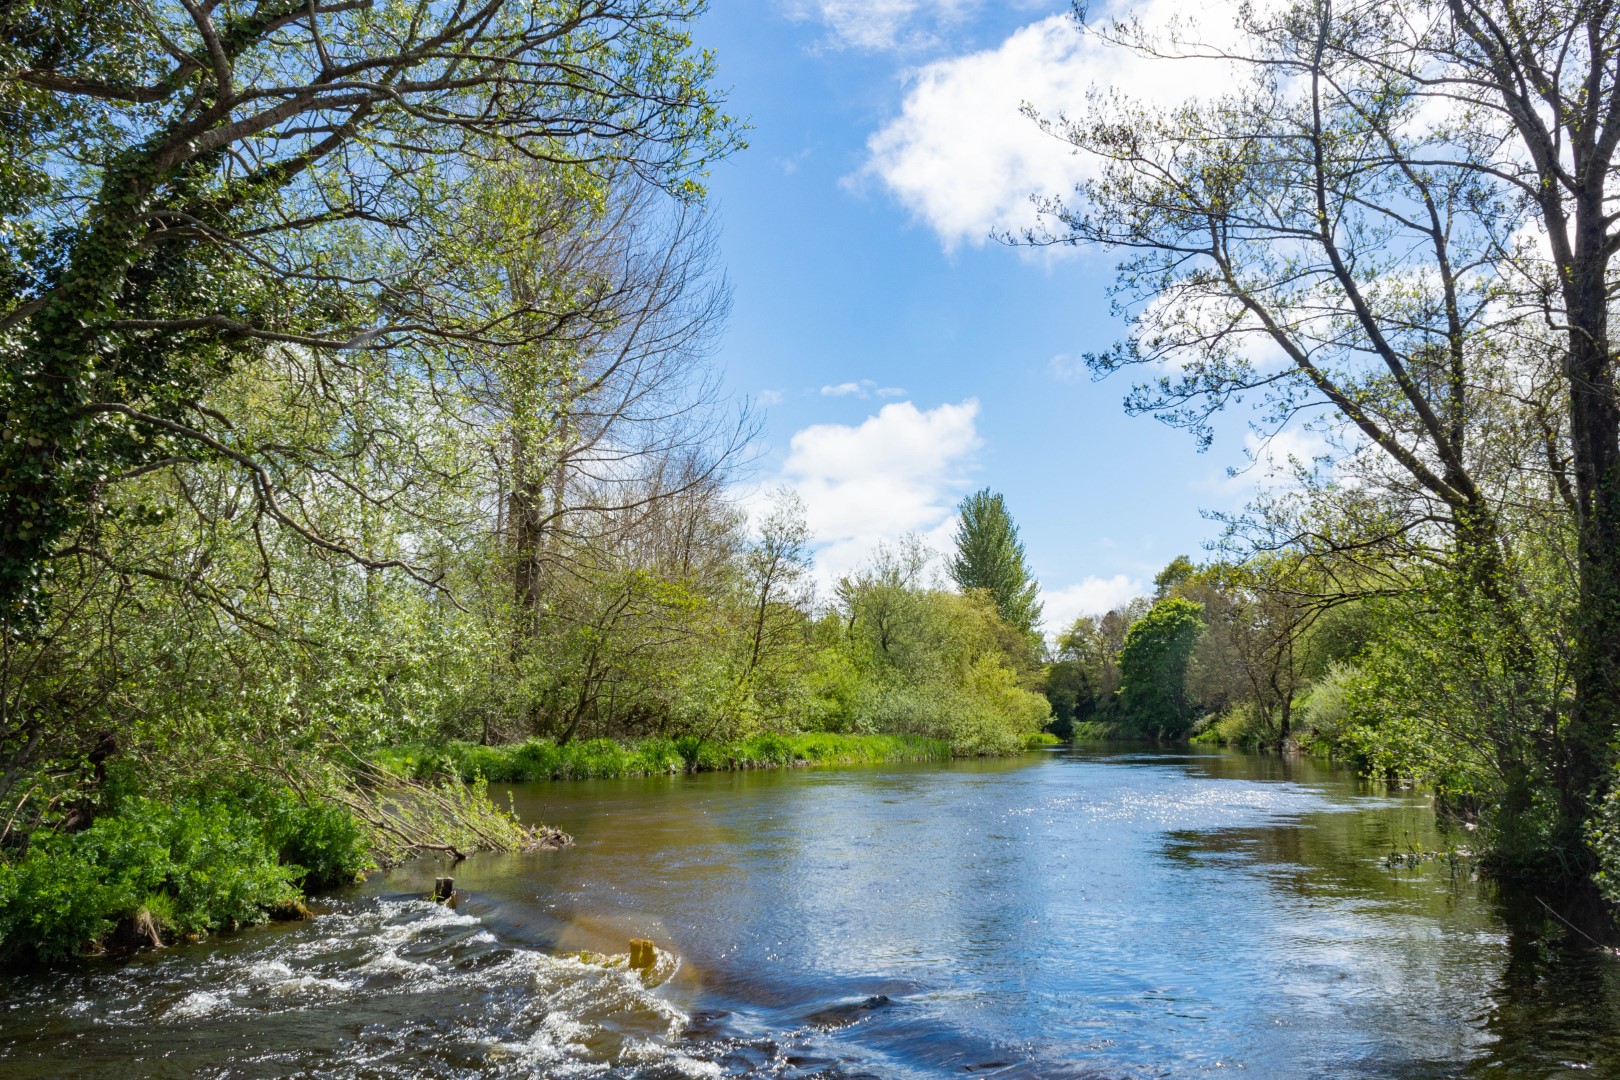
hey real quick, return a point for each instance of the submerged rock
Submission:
(843, 1015)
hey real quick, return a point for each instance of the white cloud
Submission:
(863, 389)
(1273, 459)
(965, 162)
(1066, 368)
(881, 24)
(899, 471)
(1091, 596)
(769, 398)
(1192, 325)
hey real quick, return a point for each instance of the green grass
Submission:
(1102, 731)
(542, 759)
(1041, 739)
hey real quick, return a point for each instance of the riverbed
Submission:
(1105, 912)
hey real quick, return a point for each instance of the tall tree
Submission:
(194, 186)
(1153, 667)
(990, 556)
(1172, 577)
(1381, 219)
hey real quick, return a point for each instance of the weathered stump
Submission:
(443, 889)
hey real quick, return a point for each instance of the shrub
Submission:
(196, 863)
(539, 759)
(1236, 726)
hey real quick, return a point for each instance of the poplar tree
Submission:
(990, 556)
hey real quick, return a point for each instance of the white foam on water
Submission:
(389, 962)
(198, 1003)
(268, 971)
(655, 1054)
(301, 986)
(545, 1015)
(557, 1041)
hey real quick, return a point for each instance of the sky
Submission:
(899, 356)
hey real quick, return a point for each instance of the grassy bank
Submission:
(542, 759)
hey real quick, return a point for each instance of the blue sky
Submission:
(901, 358)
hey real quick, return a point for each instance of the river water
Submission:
(1091, 913)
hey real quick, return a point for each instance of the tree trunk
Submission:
(1595, 437)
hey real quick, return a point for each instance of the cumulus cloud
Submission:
(964, 161)
(1090, 596)
(899, 471)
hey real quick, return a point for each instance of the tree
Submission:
(200, 187)
(989, 556)
(1355, 228)
(1153, 668)
(776, 574)
(1173, 576)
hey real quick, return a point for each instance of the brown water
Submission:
(1096, 913)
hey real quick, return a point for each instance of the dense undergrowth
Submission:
(153, 871)
(592, 759)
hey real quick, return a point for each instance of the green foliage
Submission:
(1071, 694)
(990, 556)
(1237, 726)
(540, 759)
(193, 864)
(406, 448)
(122, 327)
(1603, 834)
(1102, 731)
(1167, 581)
(927, 662)
(1153, 668)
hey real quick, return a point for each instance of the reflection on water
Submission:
(1087, 914)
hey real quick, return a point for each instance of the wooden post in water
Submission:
(443, 889)
(643, 954)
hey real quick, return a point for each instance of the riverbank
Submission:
(1021, 914)
(153, 872)
(1227, 734)
(598, 759)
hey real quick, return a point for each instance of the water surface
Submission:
(1099, 913)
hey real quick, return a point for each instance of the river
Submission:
(1106, 912)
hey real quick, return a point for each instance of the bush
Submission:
(1237, 726)
(194, 864)
(539, 759)
(325, 844)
